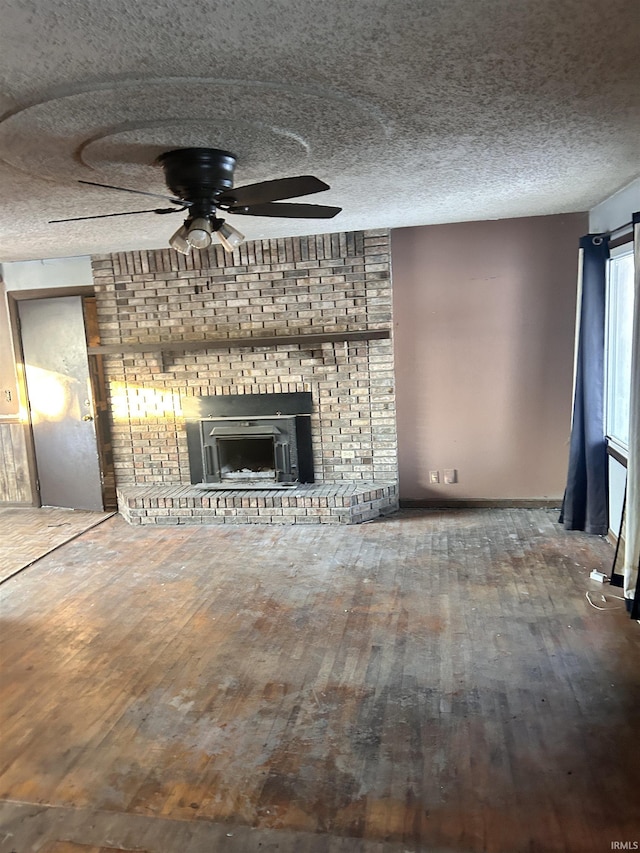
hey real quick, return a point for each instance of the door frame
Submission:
(13, 298)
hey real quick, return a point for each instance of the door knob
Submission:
(87, 417)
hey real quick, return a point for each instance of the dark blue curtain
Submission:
(585, 504)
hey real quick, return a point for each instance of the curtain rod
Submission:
(611, 236)
(628, 226)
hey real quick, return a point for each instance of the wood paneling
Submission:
(432, 681)
(101, 406)
(9, 397)
(15, 478)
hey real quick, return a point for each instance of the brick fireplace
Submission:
(301, 315)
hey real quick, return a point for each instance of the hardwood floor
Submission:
(434, 681)
(28, 533)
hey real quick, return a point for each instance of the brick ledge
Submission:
(339, 503)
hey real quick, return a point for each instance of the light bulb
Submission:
(229, 236)
(199, 235)
(179, 240)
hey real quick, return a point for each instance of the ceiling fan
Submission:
(201, 180)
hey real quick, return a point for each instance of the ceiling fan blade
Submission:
(296, 211)
(139, 192)
(272, 191)
(124, 213)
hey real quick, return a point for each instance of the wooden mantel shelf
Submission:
(312, 340)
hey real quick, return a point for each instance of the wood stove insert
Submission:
(250, 440)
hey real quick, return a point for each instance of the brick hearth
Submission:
(347, 503)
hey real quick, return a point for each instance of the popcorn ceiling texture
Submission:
(414, 111)
(292, 286)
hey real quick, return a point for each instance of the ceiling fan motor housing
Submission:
(198, 175)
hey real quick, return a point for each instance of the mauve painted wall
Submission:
(484, 316)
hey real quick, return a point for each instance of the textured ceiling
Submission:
(414, 111)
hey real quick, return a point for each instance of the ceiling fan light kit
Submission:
(199, 232)
(201, 180)
(229, 236)
(179, 241)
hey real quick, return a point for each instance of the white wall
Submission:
(51, 272)
(615, 210)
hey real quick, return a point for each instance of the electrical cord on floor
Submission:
(597, 607)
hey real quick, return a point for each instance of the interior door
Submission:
(60, 399)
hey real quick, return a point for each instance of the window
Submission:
(619, 345)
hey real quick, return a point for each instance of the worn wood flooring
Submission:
(28, 533)
(434, 681)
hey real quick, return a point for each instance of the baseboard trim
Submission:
(481, 503)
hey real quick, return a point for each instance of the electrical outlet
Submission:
(450, 476)
(434, 476)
